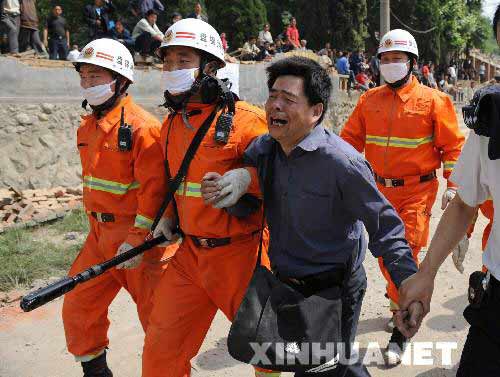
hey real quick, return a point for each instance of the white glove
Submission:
(164, 227)
(459, 252)
(233, 185)
(131, 263)
(448, 196)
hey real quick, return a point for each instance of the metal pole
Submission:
(385, 22)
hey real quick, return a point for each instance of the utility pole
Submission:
(385, 22)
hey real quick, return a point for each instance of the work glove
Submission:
(232, 185)
(165, 227)
(448, 196)
(459, 252)
(131, 263)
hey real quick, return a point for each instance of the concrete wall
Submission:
(40, 112)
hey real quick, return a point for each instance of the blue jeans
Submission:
(351, 308)
(58, 48)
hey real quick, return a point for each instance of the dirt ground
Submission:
(32, 344)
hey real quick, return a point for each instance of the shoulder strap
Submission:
(267, 165)
(173, 184)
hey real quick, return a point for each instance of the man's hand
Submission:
(233, 185)
(459, 252)
(410, 320)
(131, 263)
(448, 196)
(164, 227)
(209, 189)
(415, 295)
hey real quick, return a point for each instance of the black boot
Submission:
(96, 367)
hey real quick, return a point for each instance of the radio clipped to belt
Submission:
(124, 134)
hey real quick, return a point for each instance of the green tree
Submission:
(238, 18)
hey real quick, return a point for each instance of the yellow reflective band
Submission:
(193, 190)
(117, 188)
(267, 374)
(448, 165)
(398, 142)
(143, 222)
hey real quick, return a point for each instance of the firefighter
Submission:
(215, 261)
(123, 186)
(407, 131)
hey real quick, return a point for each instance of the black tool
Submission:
(42, 296)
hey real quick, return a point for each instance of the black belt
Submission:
(398, 182)
(217, 242)
(210, 242)
(103, 217)
(311, 284)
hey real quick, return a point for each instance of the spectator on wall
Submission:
(74, 53)
(223, 39)
(266, 53)
(303, 45)
(278, 46)
(327, 50)
(97, 17)
(29, 34)
(147, 35)
(250, 50)
(265, 35)
(56, 35)
(176, 16)
(10, 19)
(198, 13)
(139, 8)
(482, 72)
(122, 35)
(293, 33)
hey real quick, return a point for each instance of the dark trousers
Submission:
(11, 24)
(31, 38)
(145, 44)
(58, 48)
(480, 356)
(351, 308)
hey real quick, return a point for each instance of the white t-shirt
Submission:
(478, 179)
(73, 55)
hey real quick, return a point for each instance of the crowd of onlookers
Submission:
(139, 32)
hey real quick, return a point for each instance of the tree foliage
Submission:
(456, 25)
(237, 18)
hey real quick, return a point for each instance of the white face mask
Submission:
(97, 95)
(178, 81)
(393, 72)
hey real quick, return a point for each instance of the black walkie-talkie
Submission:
(124, 135)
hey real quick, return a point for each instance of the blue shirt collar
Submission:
(312, 141)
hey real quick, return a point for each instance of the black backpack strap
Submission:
(173, 184)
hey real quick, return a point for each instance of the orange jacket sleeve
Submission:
(354, 131)
(149, 172)
(448, 138)
(253, 124)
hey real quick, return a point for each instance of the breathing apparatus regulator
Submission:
(203, 38)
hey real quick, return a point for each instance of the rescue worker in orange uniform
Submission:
(215, 261)
(123, 187)
(407, 132)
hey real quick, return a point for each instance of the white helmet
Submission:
(398, 40)
(191, 32)
(110, 54)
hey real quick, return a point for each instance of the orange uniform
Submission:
(200, 279)
(407, 134)
(122, 190)
(487, 210)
